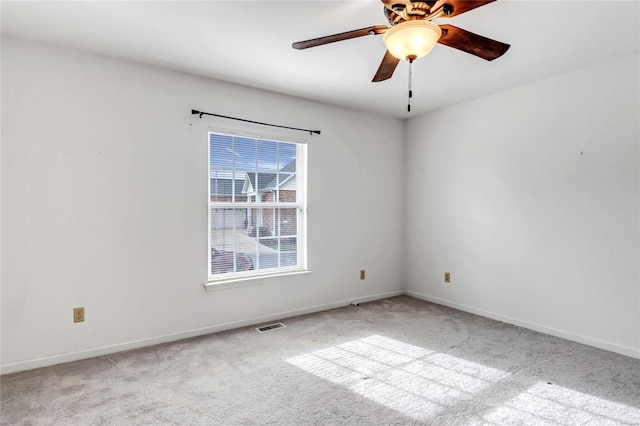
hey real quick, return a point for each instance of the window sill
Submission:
(249, 281)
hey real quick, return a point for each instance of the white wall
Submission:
(104, 205)
(530, 198)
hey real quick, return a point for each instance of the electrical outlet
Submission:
(447, 277)
(78, 314)
(362, 274)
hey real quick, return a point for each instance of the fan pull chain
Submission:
(410, 77)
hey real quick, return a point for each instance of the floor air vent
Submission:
(270, 327)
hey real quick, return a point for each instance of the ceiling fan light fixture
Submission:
(411, 39)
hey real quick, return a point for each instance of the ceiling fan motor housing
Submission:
(408, 11)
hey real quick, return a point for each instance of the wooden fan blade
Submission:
(386, 68)
(460, 6)
(469, 42)
(377, 29)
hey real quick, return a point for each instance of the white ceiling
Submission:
(249, 42)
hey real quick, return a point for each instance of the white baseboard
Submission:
(622, 350)
(380, 296)
(106, 350)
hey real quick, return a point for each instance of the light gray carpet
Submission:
(399, 361)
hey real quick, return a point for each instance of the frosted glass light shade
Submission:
(411, 39)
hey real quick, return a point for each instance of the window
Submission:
(256, 207)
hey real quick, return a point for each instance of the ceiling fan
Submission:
(412, 33)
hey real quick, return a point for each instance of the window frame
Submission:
(233, 279)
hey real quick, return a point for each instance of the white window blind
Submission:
(257, 208)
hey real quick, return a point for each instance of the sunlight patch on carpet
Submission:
(409, 379)
(550, 404)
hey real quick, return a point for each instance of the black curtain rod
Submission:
(193, 111)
